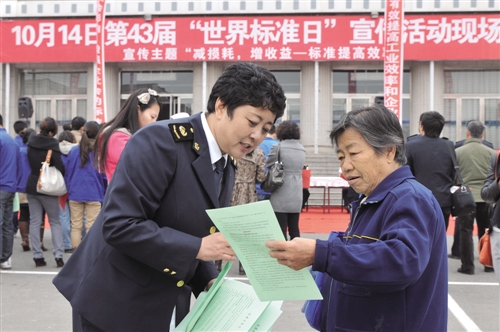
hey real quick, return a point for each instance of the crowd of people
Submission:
(140, 246)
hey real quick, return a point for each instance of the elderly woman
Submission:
(388, 271)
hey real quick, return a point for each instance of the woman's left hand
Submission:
(295, 254)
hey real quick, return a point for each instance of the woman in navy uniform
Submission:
(153, 236)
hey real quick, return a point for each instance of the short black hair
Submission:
(433, 123)
(287, 130)
(66, 136)
(25, 135)
(245, 83)
(67, 126)
(1, 120)
(386, 134)
(77, 123)
(20, 126)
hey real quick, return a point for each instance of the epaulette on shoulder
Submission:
(445, 138)
(233, 161)
(181, 131)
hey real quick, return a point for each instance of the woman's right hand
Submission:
(215, 247)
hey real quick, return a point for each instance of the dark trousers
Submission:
(466, 223)
(446, 215)
(290, 220)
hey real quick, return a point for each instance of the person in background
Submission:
(490, 193)
(67, 141)
(85, 184)
(38, 146)
(473, 158)
(9, 172)
(134, 114)
(389, 270)
(19, 127)
(430, 159)
(153, 236)
(67, 126)
(251, 170)
(77, 127)
(24, 214)
(287, 200)
(266, 146)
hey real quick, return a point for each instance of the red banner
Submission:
(99, 107)
(393, 56)
(253, 38)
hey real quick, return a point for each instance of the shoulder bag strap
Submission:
(47, 160)
(457, 169)
(497, 166)
(279, 147)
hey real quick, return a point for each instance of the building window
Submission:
(290, 82)
(472, 95)
(353, 89)
(59, 95)
(161, 81)
(53, 83)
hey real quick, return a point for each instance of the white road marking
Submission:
(461, 316)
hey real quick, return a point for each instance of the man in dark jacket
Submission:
(431, 160)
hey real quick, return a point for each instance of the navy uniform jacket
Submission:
(141, 251)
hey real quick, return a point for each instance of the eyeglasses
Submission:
(144, 97)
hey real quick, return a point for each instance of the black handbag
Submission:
(275, 175)
(463, 201)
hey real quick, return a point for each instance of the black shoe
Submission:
(453, 256)
(60, 262)
(489, 269)
(68, 251)
(464, 271)
(39, 262)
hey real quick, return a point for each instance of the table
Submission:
(327, 183)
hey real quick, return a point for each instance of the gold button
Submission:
(166, 270)
(173, 272)
(180, 283)
(212, 229)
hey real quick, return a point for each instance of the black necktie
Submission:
(218, 173)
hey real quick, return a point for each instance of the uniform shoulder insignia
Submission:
(181, 131)
(233, 161)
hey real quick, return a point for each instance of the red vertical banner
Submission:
(99, 101)
(393, 56)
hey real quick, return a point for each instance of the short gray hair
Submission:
(475, 128)
(378, 126)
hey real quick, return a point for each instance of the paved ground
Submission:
(29, 301)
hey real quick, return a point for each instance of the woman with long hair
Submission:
(140, 109)
(38, 146)
(85, 184)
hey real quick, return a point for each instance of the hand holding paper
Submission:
(247, 228)
(295, 254)
(214, 247)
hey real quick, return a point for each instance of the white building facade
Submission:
(327, 55)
